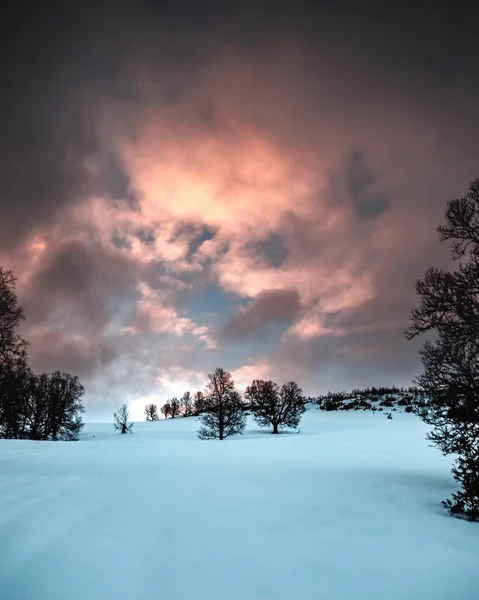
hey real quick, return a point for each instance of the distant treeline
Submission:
(223, 410)
(371, 398)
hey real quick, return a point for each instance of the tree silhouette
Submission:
(166, 410)
(449, 306)
(151, 412)
(186, 404)
(175, 407)
(279, 407)
(199, 403)
(121, 418)
(11, 314)
(225, 416)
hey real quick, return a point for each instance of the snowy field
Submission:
(348, 509)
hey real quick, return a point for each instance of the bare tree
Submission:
(175, 407)
(166, 410)
(151, 412)
(199, 403)
(186, 404)
(279, 407)
(225, 416)
(121, 418)
(14, 371)
(15, 377)
(64, 394)
(449, 306)
(11, 314)
(37, 414)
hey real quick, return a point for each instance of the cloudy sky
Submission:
(192, 185)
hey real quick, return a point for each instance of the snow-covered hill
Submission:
(348, 509)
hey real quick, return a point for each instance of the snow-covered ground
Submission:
(348, 509)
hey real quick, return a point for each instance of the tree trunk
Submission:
(275, 428)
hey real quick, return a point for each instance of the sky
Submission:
(252, 185)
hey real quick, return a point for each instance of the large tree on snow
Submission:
(276, 406)
(225, 416)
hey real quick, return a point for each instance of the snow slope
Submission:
(348, 509)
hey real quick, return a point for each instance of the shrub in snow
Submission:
(275, 406)
(121, 418)
(330, 404)
(449, 306)
(225, 416)
(409, 409)
(365, 405)
(386, 402)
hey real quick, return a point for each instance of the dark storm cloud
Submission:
(85, 278)
(53, 351)
(74, 304)
(117, 182)
(273, 249)
(60, 61)
(56, 60)
(273, 306)
(361, 180)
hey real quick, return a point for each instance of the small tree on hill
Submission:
(449, 306)
(279, 407)
(166, 410)
(186, 404)
(151, 412)
(121, 417)
(225, 416)
(199, 403)
(175, 407)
